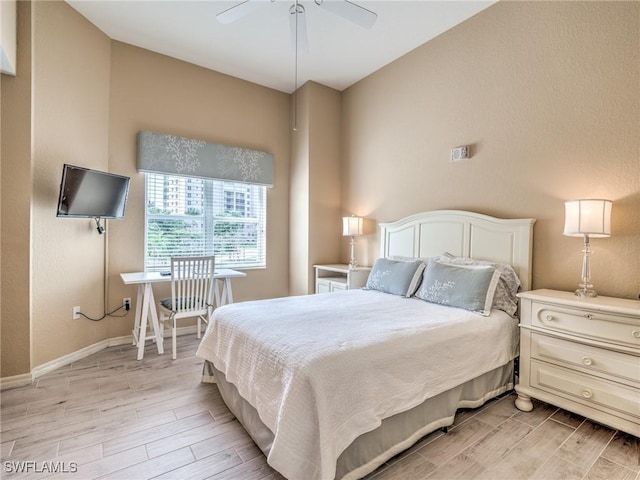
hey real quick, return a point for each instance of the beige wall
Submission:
(299, 267)
(325, 209)
(70, 125)
(157, 93)
(314, 218)
(547, 95)
(15, 192)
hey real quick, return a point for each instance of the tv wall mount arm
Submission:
(99, 227)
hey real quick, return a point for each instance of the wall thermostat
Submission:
(460, 153)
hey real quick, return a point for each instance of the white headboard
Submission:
(464, 234)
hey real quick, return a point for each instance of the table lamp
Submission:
(352, 227)
(587, 218)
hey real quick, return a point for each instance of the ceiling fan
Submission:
(343, 8)
(297, 21)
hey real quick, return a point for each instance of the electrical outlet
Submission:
(76, 313)
(126, 303)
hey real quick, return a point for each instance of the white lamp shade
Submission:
(587, 217)
(351, 226)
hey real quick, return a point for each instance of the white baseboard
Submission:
(117, 341)
(67, 359)
(15, 381)
(28, 378)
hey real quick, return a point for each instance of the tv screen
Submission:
(91, 193)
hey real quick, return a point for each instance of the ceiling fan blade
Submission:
(350, 11)
(299, 37)
(236, 12)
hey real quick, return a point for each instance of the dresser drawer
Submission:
(619, 366)
(607, 327)
(606, 396)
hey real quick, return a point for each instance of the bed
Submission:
(332, 385)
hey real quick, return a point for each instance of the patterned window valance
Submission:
(169, 154)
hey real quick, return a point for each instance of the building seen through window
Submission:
(194, 216)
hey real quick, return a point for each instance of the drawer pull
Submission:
(588, 316)
(587, 361)
(587, 394)
(636, 333)
(550, 318)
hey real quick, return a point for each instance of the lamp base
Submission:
(586, 287)
(352, 263)
(586, 292)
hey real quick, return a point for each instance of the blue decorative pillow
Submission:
(468, 287)
(395, 277)
(505, 298)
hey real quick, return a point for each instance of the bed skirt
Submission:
(394, 435)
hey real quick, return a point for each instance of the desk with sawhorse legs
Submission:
(146, 312)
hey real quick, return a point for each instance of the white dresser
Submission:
(581, 354)
(336, 277)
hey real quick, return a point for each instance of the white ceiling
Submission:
(259, 47)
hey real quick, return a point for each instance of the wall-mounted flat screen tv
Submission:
(86, 193)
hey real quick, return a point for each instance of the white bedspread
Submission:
(323, 369)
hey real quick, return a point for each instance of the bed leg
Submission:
(445, 429)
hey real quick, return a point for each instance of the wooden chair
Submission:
(192, 294)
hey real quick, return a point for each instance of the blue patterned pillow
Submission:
(468, 287)
(395, 277)
(505, 297)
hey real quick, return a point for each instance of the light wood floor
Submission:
(110, 416)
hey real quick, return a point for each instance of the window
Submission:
(234, 201)
(196, 216)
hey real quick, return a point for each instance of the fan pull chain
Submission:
(295, 86)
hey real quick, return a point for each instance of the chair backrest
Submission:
(192, 284)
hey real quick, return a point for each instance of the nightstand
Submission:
(336, 277)
(581, 354)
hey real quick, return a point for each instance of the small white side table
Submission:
(338, 276)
